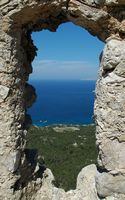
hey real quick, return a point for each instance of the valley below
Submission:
(65, 149)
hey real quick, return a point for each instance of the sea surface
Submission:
(63, 102)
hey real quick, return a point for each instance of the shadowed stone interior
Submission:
(21, 177)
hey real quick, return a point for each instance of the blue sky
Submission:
(69, 53)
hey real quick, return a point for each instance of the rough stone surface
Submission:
(3, 92)
(85, 188)
(109, 113)
(115, 184)
(19, 175)
(114, 2)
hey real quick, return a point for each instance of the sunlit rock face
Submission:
(109, 109)
(20, 177)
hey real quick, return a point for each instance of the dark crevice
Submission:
(74, 15)
(27, 169)
(117, 12)
(67, 4)
(106, 72)
(101, 169)
(122, 35)
(51, 22)
(94, 5)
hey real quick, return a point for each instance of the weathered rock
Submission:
(85, 189)
(115, 197)
(3, 2)
(12, 161)
(3, 92)
(120, 69)
(115, 184)
(110, 119)
(114, 2)
(86, 182)
(113, 54)
(102, 18)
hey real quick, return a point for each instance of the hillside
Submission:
(64, 149)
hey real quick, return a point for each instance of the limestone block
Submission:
(85, 189)
(93, 2)
(120, 69)
(12, 161)
(114, 154)
(107, 184)
(3, 2)
(89, 2)
(121, 138)
(113, 54)
(1, 64)
(86, 182)
(100, 2)
(3, 92)
(48, 191)
(114, 2)
(115, 197)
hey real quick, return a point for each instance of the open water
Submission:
(63, 102)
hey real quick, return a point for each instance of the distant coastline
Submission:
(63, 125)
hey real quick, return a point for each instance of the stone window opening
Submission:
(42, 58)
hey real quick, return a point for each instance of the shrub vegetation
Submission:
(65, 151)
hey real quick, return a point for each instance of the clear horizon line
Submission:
(37, 79)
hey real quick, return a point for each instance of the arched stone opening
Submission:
(61, 99)
(105, 19)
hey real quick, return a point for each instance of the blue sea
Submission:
(63, 102)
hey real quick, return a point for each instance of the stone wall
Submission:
(21, 178)
(109, 113)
